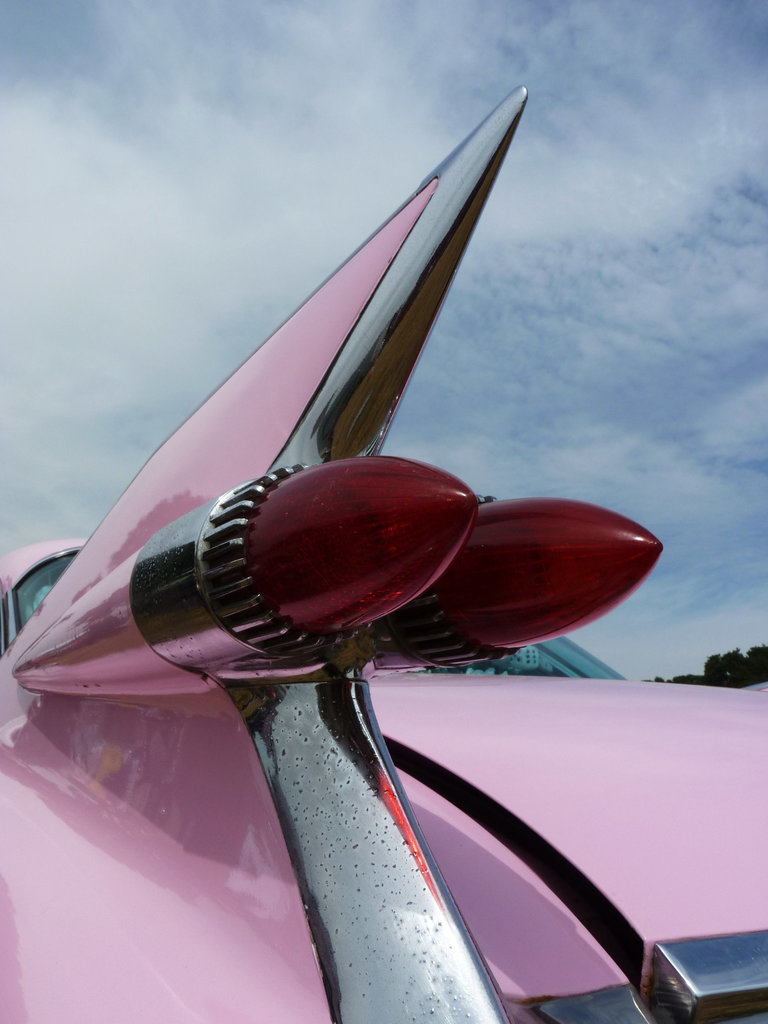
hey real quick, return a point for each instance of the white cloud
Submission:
(177, 178)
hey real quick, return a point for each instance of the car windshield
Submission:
(561, 657)
(36, 584)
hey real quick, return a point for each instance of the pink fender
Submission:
(635, 783)
(143, 873)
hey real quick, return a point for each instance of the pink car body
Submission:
(591, 832)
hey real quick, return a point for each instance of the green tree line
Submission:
(730, 669)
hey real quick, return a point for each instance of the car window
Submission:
(560, 657)
(32, 588)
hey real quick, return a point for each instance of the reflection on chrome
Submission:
(620, 1005)
(390, 942)
(353, 407)
(703, 980)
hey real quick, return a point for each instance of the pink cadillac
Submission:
(203, 819)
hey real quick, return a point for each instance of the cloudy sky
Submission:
(176, 177)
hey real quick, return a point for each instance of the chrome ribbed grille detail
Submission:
(423, 629)
(224, 579)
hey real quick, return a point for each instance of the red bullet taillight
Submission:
(532, 569)
(341, 544)
(284, 564)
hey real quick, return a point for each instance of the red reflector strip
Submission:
(392, 803)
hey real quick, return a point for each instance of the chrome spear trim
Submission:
(351, 411)
(390, 942)
(698, 981)
(619, 1005)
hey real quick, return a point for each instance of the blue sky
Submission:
(177, 177)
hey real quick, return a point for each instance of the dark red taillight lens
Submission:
(539, 567)
(341, 544)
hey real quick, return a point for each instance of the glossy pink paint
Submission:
(95, 648)
(87, 616)
(635, 783)
(144, 834)
(533, 944)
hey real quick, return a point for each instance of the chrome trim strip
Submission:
(166, 602)
(620, 1005)
(389, 939)
(5, 624)
(704, 980)
(351, 411)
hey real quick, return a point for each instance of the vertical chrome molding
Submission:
(389, 939)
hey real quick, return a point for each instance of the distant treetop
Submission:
(732, 669)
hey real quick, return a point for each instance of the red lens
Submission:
(539, 567)
(344, 543)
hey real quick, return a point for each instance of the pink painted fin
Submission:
(325, 386)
